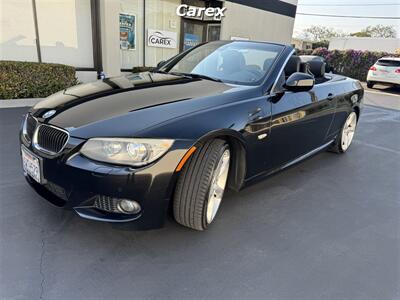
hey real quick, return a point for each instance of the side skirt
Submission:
(289, 164)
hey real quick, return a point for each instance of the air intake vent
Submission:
(106, 203)
(51, 140)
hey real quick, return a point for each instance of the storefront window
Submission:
(65, 32)
(17, 31)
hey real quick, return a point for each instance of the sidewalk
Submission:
(19, 102)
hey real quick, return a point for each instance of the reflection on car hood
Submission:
(89, 103)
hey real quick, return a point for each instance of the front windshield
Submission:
(244, 63)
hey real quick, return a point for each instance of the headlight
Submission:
(126, 151)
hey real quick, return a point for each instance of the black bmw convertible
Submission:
(137, 148)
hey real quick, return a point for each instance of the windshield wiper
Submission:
(194, 75)
(189, 75)
(158, 71)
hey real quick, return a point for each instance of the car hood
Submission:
(90, 105)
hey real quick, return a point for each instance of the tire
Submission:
(370, 84)
(345, 137)
(192, 203)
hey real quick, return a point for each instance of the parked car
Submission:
(311, 58)
(385, 71)
(134, 149)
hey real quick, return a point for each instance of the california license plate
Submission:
(31, 164)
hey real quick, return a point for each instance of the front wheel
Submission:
(345, 137)
(201, 185)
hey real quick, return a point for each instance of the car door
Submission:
(300, 122)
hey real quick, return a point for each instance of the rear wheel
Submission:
(344, 139)
(201, 185)
(370, 84)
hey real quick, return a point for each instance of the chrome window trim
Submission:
(48, 152)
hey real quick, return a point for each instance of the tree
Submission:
(381, 31)
(320, 33)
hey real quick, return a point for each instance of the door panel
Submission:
(300, 122)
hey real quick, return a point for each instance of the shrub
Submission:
(33, 80)
(351, 63)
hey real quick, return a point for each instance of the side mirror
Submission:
(299, 82)
(161, 63)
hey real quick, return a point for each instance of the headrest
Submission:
(317, 68)
(232, 61)
(267, 63)
(305, 67)
(292, 66)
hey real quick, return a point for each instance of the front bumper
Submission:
(73, 181)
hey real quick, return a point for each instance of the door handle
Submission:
(330, 96)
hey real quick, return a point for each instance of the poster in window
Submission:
(190, 40)
(127, 31)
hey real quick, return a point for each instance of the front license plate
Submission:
(31, 164)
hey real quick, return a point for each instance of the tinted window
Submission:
(235, 62)
(388, 63)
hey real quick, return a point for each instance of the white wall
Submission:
(111, 56)
(17, 31)
(371, 44)
(86, 76)
(161, 15)
(256, 24)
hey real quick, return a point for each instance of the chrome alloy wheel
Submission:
(348, 131)
(218, 184)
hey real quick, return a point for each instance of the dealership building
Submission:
(113, 36)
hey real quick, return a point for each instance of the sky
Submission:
(376, 8)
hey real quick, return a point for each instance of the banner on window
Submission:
(190, 40)
(127, 31)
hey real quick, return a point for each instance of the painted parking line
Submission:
(383, 93)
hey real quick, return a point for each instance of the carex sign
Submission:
(160, 38)
(200, 13)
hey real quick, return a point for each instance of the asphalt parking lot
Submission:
(328, 228)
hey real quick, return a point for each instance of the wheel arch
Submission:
(356, 109)
(237, 144)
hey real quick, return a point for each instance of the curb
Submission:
(19, 102)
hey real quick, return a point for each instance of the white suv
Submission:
(386, 71)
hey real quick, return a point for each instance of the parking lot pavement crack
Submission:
(41, 268)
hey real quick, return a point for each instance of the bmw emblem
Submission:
(48, 114)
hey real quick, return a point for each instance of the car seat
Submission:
(232, 61)
(317, 68)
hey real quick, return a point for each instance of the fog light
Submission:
(128, 206)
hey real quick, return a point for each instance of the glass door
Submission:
(193, 33)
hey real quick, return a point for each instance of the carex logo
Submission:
(185, 10)
(48, 114)
(158, 38)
